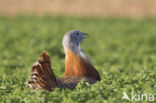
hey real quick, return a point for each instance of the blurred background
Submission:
(121, 45)
(105, 8)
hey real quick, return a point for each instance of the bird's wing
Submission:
(42, 77)
(70, 82)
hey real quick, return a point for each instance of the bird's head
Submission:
(73, 38)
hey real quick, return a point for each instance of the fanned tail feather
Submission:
(42, 76)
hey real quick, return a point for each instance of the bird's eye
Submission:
(77, 34)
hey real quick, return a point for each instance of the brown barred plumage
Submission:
(77, 66)
(42, 77)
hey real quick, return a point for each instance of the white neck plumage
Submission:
(76, 49)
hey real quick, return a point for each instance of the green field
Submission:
(122, 50)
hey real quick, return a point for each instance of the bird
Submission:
(78, 66)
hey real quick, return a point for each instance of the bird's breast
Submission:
(73, 64)
(76, 65)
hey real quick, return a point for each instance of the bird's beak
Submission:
(84, 35)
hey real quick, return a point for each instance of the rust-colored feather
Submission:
(77, 66)
(42, 76)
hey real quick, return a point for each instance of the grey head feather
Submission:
(71, 41)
